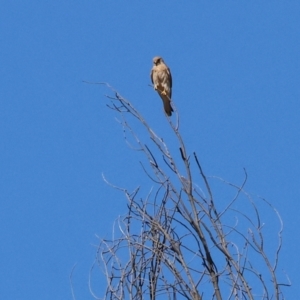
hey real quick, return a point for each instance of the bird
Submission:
(162, 80)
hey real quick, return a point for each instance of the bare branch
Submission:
(175, 242)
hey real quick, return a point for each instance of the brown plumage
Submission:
(162, 80)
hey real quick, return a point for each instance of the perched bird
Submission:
(162, 80)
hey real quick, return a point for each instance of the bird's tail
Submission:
(167, 105)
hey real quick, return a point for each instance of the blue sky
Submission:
(236, 75)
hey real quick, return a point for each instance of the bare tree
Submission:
(184, 240)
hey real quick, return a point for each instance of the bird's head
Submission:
(157, 60)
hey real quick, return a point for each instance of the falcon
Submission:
(162, 80)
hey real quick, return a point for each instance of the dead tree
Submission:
(181, 241)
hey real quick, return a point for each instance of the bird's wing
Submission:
(151, 76)
(170, 77)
